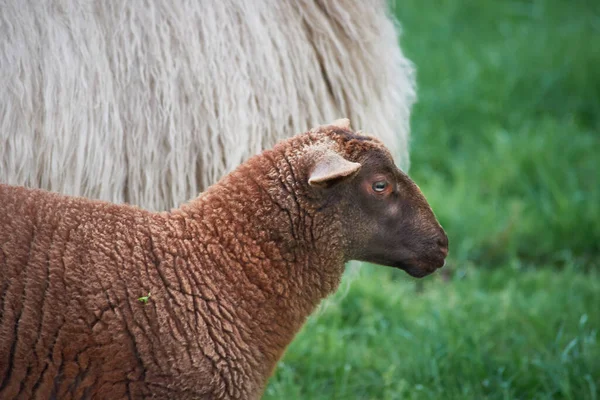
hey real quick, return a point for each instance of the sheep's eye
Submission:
(379, 186)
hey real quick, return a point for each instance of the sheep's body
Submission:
(151, 102)
(228, 278)
(72, 272)
(231, 277)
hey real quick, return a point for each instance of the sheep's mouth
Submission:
(417, 267)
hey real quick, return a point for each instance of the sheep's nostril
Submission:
(444, 250)
(443, 243)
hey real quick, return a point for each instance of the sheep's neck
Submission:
(269, 270)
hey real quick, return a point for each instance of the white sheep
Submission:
(150, 102)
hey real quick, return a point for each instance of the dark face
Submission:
(388, 220)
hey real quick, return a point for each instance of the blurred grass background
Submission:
(506, 147)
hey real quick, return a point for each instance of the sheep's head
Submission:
(385, 217)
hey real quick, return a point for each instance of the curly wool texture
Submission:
(230, 278)
(151, 102)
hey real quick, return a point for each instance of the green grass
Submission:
(506, 146)
(508, 333)
(506, 136)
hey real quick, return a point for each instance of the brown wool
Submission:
(102, 301)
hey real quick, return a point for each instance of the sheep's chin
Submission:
(416, 272)
(419, 270)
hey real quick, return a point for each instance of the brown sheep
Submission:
(100, 300)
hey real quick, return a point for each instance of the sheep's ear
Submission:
(331, 166)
